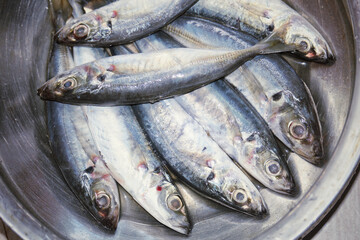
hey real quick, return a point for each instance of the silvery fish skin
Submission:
(121, 22)
(268, 83)
(261, 18)
(135, 167)
(228, 119)
(191, 154)
(77, 157)
(148, 77)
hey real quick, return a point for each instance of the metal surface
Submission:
(36, 203)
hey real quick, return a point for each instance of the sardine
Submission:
(196, 159)
(136, 168)
(121, 22)
(148, 77)
(262, 18)
(268, 82)
(232, 124)
(76, 154)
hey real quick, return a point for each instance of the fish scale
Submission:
(184, 70)
(196, 158)
(230, 121)
(261, 18)
(75, 152)
(121, 22)
(259, 80)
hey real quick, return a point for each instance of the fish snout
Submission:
(45, 93)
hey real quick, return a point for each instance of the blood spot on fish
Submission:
(114, 14)
(143, 166)
(159, 188)
(95, 158)
(266, 14)
(98, 18)
(101, 77)
(210, 163)
(237, 139)
(111, 68)
(211, 176)
(90, 170)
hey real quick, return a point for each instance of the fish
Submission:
(121, 22)
(148, 77)
(130, 158)
(75, 154)
(261, 18)
(269, 83)
(232, 124)
(196, 159)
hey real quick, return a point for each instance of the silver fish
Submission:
(191, 154)
(268, 82)
(135, 167)
(261, 18)
(76, 155)
(228, 119)
(121, 22)
(148, 77)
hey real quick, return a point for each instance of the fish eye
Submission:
(69, 83)
(174, 202)
(102, 201)
(239, 196)
(298, 130)
(303, 45)
(272, 167)
(81, 31)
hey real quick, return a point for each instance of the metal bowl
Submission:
(37, 204)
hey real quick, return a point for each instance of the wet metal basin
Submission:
(37, 204)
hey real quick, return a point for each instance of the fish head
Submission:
(86, 30)
(308, 42)
(295, 122)
(104, 195)
(176, 215)
(245, 197)
(266, 163)
(72, 84)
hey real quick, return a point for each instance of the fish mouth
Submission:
(183, 229)
(63, 37)
(46, 94)
(110, 223)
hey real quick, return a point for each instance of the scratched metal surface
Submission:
(36, 203)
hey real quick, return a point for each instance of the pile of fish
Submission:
(176, 88)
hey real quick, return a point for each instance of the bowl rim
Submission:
(322, 196)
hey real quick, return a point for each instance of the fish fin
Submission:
(274, 44)
(60, 11)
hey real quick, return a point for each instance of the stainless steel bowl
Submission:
(37, 204)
